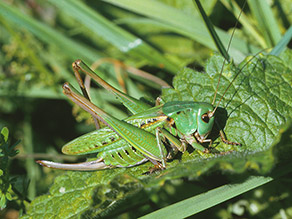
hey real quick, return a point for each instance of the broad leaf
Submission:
(252, 112)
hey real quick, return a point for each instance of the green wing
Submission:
(91, 142)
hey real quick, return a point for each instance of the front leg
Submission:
(193, 141)
(203, 140)
(160, 146)
(175, 144)
(223, 138)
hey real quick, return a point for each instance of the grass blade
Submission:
(209, 199)
(212, 31)
(245, 21)
(266, 21)
(123, 40)
(282, 43)
(186, 24)
(47, 34)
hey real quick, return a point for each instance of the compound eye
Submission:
(205, 118)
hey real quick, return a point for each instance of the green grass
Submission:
(38, 44)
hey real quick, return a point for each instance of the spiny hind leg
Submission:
(132, 104)
(84, 166)
(76, 68)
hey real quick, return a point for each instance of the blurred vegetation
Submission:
(40, 39)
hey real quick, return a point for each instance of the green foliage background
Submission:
(39, 40)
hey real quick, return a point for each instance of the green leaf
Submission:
(2, 201)
(7, 151)
(251, 104)
(70, 197)
(5, 133)
(258, 103)
(218, 195)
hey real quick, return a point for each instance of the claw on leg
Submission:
(223, 138)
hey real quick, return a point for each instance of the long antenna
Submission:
(228, 47)
(240, 70)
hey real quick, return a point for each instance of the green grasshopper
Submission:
(142, 137)
(153, 134)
